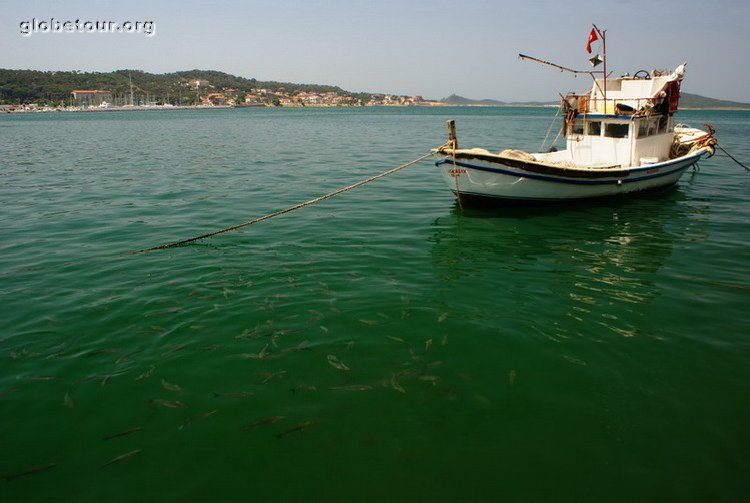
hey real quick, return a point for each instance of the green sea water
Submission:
(381, 346)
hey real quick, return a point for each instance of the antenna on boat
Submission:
(603, 37)
(595, 34)
(564, 68)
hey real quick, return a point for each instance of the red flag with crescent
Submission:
(592, 38)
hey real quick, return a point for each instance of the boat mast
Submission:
(592, 73)
(602, 35)
(130, 79)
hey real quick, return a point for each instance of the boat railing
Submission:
(584, 104)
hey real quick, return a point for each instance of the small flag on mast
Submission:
(592, 38)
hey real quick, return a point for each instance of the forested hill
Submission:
(27, 86)
(688, 100)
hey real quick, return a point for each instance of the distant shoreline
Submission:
(15, 109)
(193, 89)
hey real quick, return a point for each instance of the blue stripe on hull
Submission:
(578, 181)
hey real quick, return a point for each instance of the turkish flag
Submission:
(592, 38)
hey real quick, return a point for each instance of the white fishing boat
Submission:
(621, 138)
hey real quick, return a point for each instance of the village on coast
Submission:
(201, 93)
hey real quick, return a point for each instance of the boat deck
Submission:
(517, 156)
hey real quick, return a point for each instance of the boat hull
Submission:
(487, 178)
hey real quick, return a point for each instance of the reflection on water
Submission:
(592, 263)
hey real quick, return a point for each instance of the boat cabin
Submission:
(622, 122)
(598, 139)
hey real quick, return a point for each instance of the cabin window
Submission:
(615, 130)
(642, 128)
(663, 124)
(652, 123)
(595, 128)
(577, 128)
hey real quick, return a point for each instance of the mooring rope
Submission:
(731, 157)
(290, 208)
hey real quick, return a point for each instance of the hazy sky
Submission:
(430, 48)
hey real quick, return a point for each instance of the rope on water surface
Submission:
(291, 208)
(711, 142)
(731, 157)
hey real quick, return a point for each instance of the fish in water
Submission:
(429, 378)
(171, 348)
(264, 421)
(299, 427)
(32, 471)
(427, 344)
(336, 363)
(371, 322)
(122, 433)
(574, 360)
(96, 352)
(268, 376)
(302, 346)
(258, 356)
(126, 356)
(121, 457)
(304, 387)
(442, 317)
(255, 334)
(68, 401)
(352, 387)
(512, 377)
(171, 387)
(196, 417)
(234, 394)
(146, 374)
(16, 355)
(483, 399)
(41, 378)
(170, 404)
(396, 385)
(58, 353)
